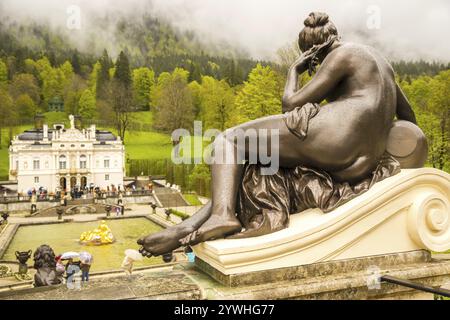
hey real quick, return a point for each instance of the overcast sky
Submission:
(408, 29)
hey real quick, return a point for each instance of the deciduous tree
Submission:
(260, 96)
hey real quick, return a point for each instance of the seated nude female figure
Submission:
(346, 137)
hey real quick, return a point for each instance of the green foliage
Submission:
(412, 69)
(3, 73)
(180, 214)
(72, 94)
(87, 105)
(102, 76)
(260, 95)
(25, 106)
(172, 101)
(122, 72)
(27, 84)
(143, 81)
(430, 98)
(7, 111)
(192, 199)
(217, 104)
(200, 179)
(53, 79)
(92, 81)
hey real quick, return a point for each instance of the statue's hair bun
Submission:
(316, 19)
(318, 29)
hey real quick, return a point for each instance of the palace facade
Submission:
(62, 158)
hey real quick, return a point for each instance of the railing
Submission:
(134, 193)
(26, 198)
(417, 286)
(54, 198)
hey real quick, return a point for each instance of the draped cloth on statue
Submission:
(266, 201)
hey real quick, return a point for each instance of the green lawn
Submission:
(148, 145)
(192, 199)
(4, 163)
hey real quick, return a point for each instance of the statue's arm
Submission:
(331, 72)
(404, 109)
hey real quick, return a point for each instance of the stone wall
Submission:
(41, 205)
(26, 206)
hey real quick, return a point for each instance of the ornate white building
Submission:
(62, 158)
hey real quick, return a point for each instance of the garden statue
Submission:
(154, 206)
(108, 210)
(59, 212)
(5, 216)
(98, 236)
(337, 137)
(22, 257)
(72, 121)
(45, 265)
(168, 212)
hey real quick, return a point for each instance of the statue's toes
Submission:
(189, 238)
(145, 253)
(141, 241)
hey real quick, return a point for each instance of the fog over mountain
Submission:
(409, 30)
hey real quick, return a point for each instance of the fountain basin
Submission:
(63, 237)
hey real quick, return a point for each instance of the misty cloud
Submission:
(414, 29)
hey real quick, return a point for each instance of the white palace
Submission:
(62, 158)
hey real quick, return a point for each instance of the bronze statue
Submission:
(45, 265)
(328, 153)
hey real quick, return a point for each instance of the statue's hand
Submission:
(301, 64)
(309, 59)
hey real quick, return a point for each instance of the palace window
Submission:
(62, 162)
(36, 179)
(36, 165)
(106, 177)
(106, 163)
(83, 162)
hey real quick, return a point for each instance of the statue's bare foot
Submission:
(167, 240)
(214, 228)
(163, 242)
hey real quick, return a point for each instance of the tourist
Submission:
(131, 255)
(33, 201)
(118, 211)
(73, 274)
(127, 265)
(60, 268)
(120, 201)
(85, 267)
(61, 199)
(190, 254)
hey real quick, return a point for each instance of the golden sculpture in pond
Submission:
(98, 236)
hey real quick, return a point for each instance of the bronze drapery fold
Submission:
(266, 201)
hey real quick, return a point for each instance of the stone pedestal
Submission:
(390, 229)
(344, 279)
(407, 212)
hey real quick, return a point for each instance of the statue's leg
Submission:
(226, 178)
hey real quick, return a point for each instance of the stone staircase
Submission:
(170, 198)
